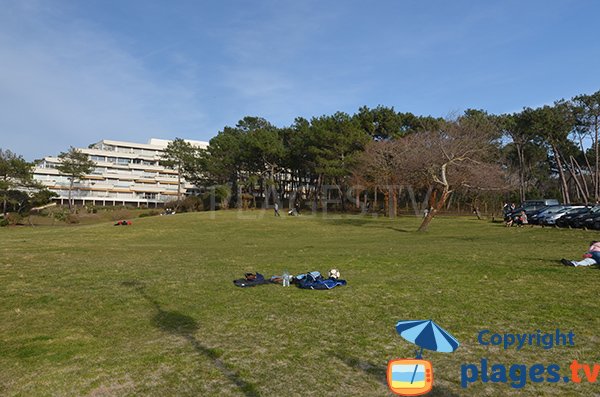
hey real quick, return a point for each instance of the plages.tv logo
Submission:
(414, 377)
(408, 377)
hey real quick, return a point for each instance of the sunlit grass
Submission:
(150, 309)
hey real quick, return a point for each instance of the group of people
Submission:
(295, 211)
(510, 218)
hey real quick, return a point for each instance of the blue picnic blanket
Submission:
(320, 283)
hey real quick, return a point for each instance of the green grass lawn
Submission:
(150, 309)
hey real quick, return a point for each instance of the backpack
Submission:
(251, 280)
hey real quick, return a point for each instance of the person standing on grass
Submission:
(591, 257)
(276, 208)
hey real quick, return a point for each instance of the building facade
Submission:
(126, 173)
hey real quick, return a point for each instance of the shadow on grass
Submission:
(185, 326)
(379, 372)
(374, 370)
(363, 221)
(346, 222)
(397, 229)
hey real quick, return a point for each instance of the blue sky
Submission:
(75, 72)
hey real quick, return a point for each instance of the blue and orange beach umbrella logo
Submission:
(414, 377)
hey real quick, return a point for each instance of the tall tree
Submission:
(514, 127)
(251, 151)
(461, 154)
(552, 125)
(75, 165)
(15, 172)
(263, 150)
(225, 155)
(587, 113)
(184, 158)
(335, 142)
(225, 162)
(298, 158)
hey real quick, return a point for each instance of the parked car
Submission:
(596, 224)
(550, 219)
(565, 220)
(536, 216)
(590, 220)
(579, 220)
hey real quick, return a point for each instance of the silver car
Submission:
(550, 219)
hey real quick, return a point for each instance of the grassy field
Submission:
(150, 309)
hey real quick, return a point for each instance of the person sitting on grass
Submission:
(521, 219)
(592, 257)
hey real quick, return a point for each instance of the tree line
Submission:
(309, 160)
(379, 154)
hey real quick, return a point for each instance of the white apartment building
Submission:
(126, 173)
